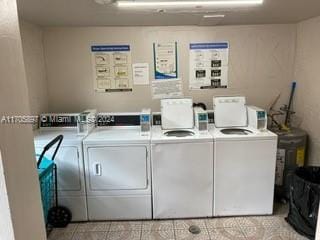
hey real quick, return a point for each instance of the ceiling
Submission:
(89, 13)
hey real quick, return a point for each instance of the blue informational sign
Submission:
(110, 48)
(208, 65)
(112, 69)
(216, 45)
(165, 60)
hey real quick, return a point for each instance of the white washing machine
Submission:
(182, 162)
(117, 163)
(69, 160)
(244, 163)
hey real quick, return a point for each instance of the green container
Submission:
(47, 185)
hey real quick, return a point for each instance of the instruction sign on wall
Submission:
(111, 67)
(165, 60)
(166, 83)
(208, 65)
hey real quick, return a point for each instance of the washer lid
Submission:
(230, 111)
(177, 113)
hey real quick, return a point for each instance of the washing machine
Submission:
(117, 163)
(69, 160)
(244, 162)
(182, 163)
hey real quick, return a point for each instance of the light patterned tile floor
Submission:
(236, 228)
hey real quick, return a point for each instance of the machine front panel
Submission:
(117, 168)
(68, 167)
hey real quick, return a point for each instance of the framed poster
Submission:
(208, 65)
(111, 65)
(165, 60)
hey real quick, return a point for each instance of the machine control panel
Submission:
(156, 119)
(145, 118)
(57, 120)
(210, 116)
(201, 119)
(116, 120)
(145, 121)
(257, 118)
(86, 121)
(261, 115)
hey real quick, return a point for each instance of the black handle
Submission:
(58, 140)
(288, 113)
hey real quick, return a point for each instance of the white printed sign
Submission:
(140, 73)
(165, 60)
(208, 65)
(166, 88)
(111, 66)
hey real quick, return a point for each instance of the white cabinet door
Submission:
(68, 167)
(244, 174)
(182, 182)
(117, 167)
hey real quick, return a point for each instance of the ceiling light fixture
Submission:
(214, 16)
(188, 3)
(103, 2)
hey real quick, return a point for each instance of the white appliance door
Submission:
(69, 168)
(117, 167)
(182, 180)
(244, 174)
(177, 113)
(230, 112)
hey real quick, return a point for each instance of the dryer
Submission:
(117, 163)
(69, 160)
(182, 163)
(244, 162)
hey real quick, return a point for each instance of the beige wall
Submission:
(33, 54)
(16, 141)
(261, 63)
(6, 229)
(307, 75)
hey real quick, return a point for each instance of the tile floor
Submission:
(237, 228)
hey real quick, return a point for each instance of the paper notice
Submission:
(166, 88)
(140, 73)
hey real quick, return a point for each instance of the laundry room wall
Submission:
(261, 63)
(18, 164)
(307, 102)
(33, 54)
